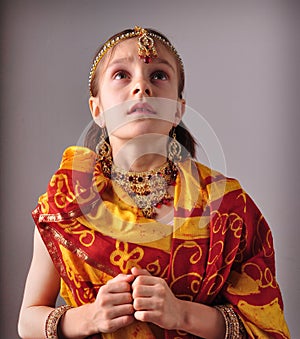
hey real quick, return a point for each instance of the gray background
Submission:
(242, 66)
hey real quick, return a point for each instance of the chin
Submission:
(143, 127)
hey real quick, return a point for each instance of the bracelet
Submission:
(234, 326)
(53, 320)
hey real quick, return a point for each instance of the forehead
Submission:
(128, 49)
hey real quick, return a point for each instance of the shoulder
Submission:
(75, 184)
(203, 190)
(227, 194)
(209, 178)
(77, 158)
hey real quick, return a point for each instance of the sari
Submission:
(217, 250)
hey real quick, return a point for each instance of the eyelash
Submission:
(159, 73)
(122, 73)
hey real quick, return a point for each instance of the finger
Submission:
(143, 304)
(139, 271)
(146, 316)
(120, 298)
(109, 301)
(118, 287)
(116, 323)
(122, 277)
(142, 291)
(145, 280)
(119, 311)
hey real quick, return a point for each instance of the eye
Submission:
(120, 75)
(159, 75)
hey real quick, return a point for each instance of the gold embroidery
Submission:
(126, 260)
(193, 278)
(86, 236)
(154, 268)
(227, 221)
(80, 192)
(217, 248)
(72, 276)
(242, 247)
(43, 200)
(87, 295)
(243, 196)
(264, 277)
(265, 242)
(216, 281)
(86, 279)
(230, 257)
(62, 184)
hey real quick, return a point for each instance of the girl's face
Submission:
(136, 98)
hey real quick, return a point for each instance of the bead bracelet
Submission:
(53, 319)
(234, 326)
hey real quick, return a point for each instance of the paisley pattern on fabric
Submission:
(219, 249)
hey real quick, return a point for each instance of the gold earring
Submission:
(174, 149)
(103, 150)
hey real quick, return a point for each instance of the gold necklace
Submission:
(149, 190)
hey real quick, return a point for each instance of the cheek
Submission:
(115, 113)
(109, 99)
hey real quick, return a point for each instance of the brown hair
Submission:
(183, 136)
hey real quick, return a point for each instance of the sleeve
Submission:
(251, 288)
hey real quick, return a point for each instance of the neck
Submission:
(140, 154)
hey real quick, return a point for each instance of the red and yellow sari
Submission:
(218, 250)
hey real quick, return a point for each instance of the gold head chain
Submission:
(146, 48)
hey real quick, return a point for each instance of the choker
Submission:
(149, 190)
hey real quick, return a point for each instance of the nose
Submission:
(141, 88)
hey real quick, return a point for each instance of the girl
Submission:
(141, 240)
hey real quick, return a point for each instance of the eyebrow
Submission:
(130, 59)
(162, 61)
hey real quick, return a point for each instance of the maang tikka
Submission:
(147, 50)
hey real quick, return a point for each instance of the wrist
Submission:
(200, 320)
(182, 315)
(76, 323)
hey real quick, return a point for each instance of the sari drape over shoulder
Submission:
(217, 250)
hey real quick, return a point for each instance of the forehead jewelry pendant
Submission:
(146, 50)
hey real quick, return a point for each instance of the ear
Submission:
(95, 108)
(180, 111)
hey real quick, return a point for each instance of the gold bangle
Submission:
(233, 325)
(53, 320)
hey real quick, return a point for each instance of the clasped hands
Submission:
(139, 296)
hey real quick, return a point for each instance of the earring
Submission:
(103, 151)
(174, 149)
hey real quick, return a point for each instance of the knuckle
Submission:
(136, 292)
(143, 316)
(126, 320)
(103, 300)
(110, 328)
(129, 298)
(136, 281)
(103, 289)
(160, 304)
(161, 291)
(130, 309)
(106, 316)
(137, 304)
